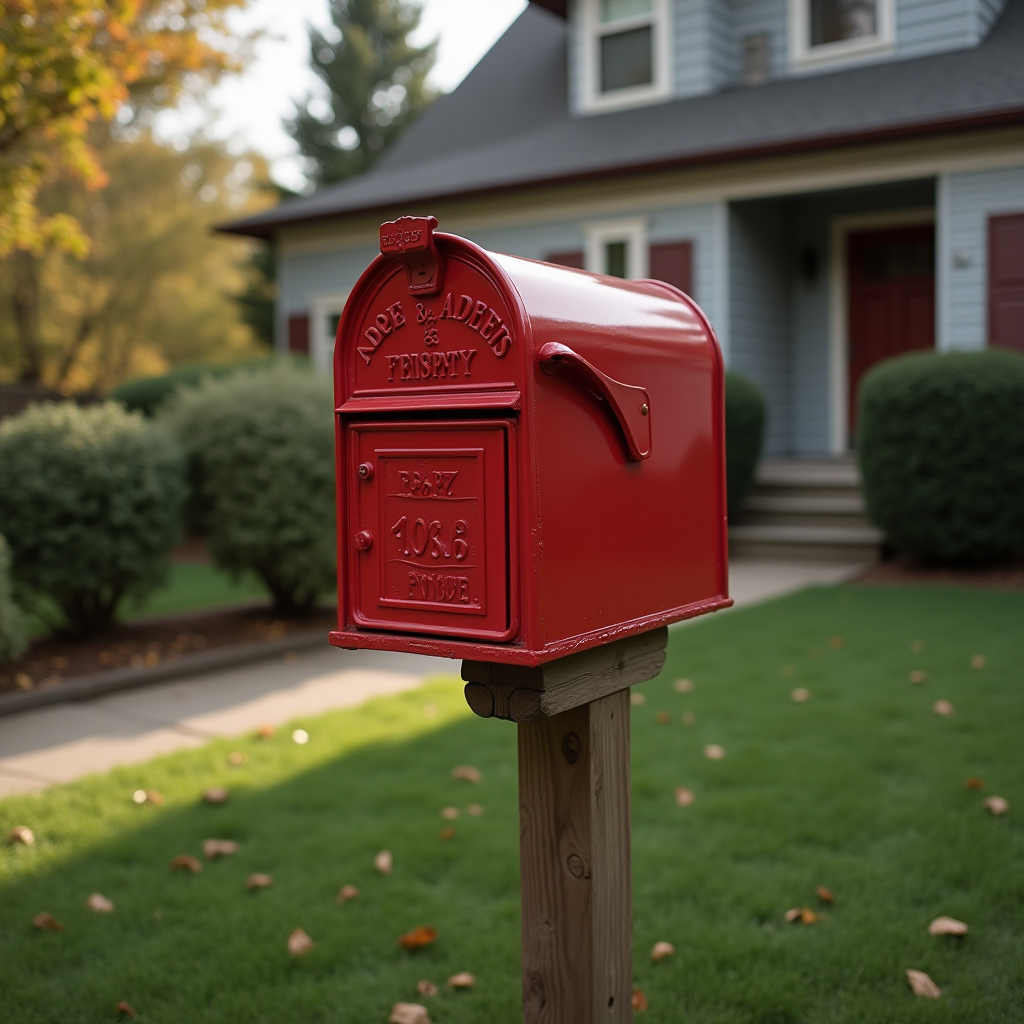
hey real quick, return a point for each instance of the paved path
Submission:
(65, 741)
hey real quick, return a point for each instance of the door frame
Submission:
(321, 347)
(840, 228)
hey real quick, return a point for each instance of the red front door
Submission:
(891, 297)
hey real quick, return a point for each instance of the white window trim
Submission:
(804, 57)
(632, 231)
(321, 347)
(596, 102)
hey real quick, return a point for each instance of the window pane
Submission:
(615, 10)
(832, 21)
(626, 60)
(615, 259)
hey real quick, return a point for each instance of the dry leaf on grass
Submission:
(258, 881)
(689, 718)
(942, 707)
(418, 937)
(447, 833)
(683, 686)
(947, 926)
(299, 943)
(713, 752)
(186, 862)
(835, 642)
(96, 901)
(47, 922)
(461, 980)
(684, 796)
(384, 862)
(427, 989)
(825, 895)
(663, 717)
(409, 1013)
(917, 646)
(214, 848)
(475, 810)
(996, 804)
(660, 950)
(466, 773)
(973, 782)
(264, 732)
(215, 795)
(918, 676)
(800, 695)
(236, 757)
(978, 661)
(637, 699)
(21, 834)
(803, 915)
(125, 1009)
(923, 986)
(639, 1000)
(449, 813)
(346, 893)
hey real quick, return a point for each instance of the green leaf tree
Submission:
(376, 86)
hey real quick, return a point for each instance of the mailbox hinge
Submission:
(410, 240)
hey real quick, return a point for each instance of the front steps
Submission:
(805, 509)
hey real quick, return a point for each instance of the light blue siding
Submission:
(967, 201)
(753, 17)
(987, 12)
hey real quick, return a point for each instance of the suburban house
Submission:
(834, 181)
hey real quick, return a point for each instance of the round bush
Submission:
(261, 465)
(90, 504)
(12, 624)
(745, 416)
(940, 441)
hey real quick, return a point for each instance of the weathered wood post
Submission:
(574, 822)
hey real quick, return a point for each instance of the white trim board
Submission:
(838, 304)
(632, 231)
(321, 346)
(805, 57)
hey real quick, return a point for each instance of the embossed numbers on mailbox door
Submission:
(434, 503)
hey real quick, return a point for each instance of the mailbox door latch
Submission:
(630, 404)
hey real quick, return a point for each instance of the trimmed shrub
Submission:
(90, 503)
(261, 465)
(940, 441)
(12, 624)
(745, 415)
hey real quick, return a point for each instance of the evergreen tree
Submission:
(376, 85)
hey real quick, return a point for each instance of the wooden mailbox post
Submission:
(506, 498)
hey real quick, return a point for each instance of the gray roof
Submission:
(508, 124)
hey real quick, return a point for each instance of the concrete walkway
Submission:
(65, 741)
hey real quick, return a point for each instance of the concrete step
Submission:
(763, 502)
(810, 541)
(814, 473)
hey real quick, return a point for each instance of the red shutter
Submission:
(298, 333)
(566, 259)
(1006, 281)
(672, 262)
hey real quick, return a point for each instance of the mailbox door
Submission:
(429, 528)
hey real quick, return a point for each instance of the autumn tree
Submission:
(375, 86)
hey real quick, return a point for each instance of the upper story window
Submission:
(627, 53)
(824, 32)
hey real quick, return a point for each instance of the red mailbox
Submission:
(530, 459)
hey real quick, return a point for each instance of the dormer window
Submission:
(627, 53)
(826, 32)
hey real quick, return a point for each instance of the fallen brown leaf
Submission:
(917, 646)
(214, 848)
(978, 661)
(409, 1013)
(996, 804)
(21, 834)
(236, 757)
(663, 717)
(683, 686)
(923, 986)
(346, 893)
(215, 795)
(383, 862)
(947, 926)
(639, 1000)
(942, 707)
(918, 676)
(155, 797)
(825, 895)
(800, 695)
(125, 1009)
(418, 937)
(660, 950)
(808, 916)
(466, 773)
(638, 700)
(684, 796)
(461, 980)
(47, 922)
(835, 642)
(449, 813)
(299, 943)
(689, 718)
(973, 782)
(99, 903)
(475, 810)
(793, 914)
(257, 881)
(448, 833)
(713, 752)
(265, 732)
(427, 989)
(186, 862)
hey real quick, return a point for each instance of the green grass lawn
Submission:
(859, 789)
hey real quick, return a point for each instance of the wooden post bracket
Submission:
(520, 694)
